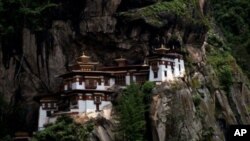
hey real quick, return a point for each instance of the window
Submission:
(73, 103)
(80, 81)
(106, 81)
(87, 82)
(69, 85)
(155, 74)
(165, 72)
(43, 105)
(49, 105)
(90, 84)
(120, 80)
(48, 113)
(131, 79)
(97, 100)
(140, 79)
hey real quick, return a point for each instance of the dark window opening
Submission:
(73, 103)
(48, 113)
(120, 80)
(90, 84)
(155, 74)
(140, 79)
(106, 81)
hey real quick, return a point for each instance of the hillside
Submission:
(39, 40)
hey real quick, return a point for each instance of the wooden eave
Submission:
(140, 73)
(46, 97)
(84, 73)
(169, 55)
(85, 91)
(125, 68)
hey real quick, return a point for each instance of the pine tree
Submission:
(131, 111)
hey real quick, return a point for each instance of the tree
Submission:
(65, 129)
(131, 112)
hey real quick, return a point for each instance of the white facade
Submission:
(182, 68)
(103, 104)
(90, 106)
(81, 85)
(167, 72)
(78, 86)
(43, 119)
(101, 86)
(127, 79)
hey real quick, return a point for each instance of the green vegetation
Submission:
(185, 10)
(195, 83)
(23, 13)
(175, 86)
(207, 133)
(65, 129)
(131, 112)
(233, 19)
(17, 15)
(224, 65)
(196, 99)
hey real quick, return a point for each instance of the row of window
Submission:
(49, 105)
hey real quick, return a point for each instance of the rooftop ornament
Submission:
(162, 49)
(83, 59)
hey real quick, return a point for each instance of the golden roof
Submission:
(83, 59)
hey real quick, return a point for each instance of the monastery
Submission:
(87, 88)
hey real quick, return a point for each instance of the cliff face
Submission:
(194, 108)
(197, 107)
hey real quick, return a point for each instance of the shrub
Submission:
(207, 134)
(223, 64)
(226, 78)
(196, 99)
(65, 129)
(147, 87)
(195, 83)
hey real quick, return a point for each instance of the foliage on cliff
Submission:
(222, 61)
(65, 129)
(163, 13)
(233, 19)
(19, 13)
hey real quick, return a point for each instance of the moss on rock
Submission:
(163, 13)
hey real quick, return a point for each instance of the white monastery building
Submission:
(87, 88)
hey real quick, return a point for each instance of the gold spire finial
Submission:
(144, 63)
(162, 46)
(84, 55)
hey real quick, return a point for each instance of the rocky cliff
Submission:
(198, 107)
